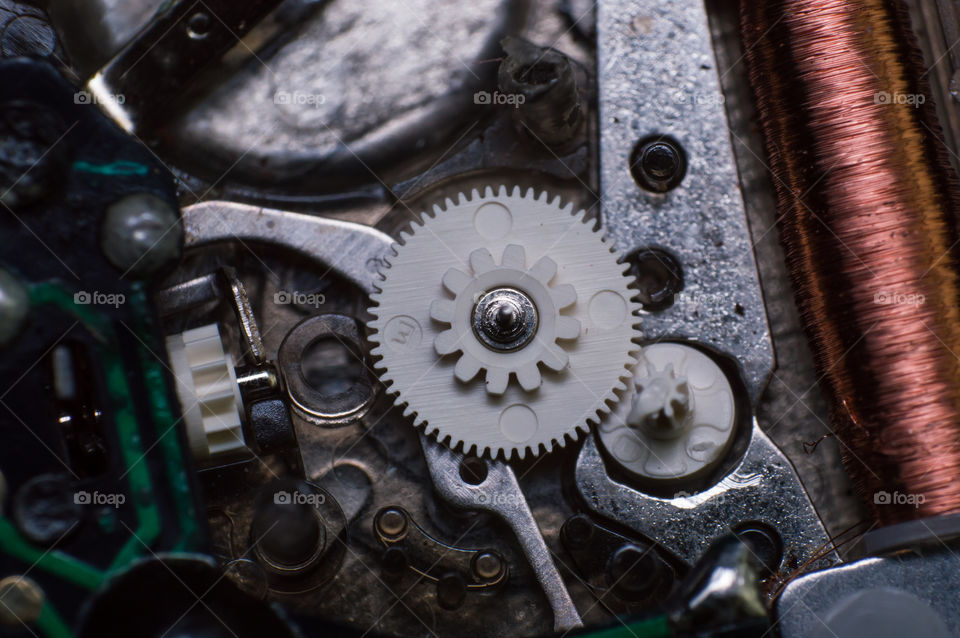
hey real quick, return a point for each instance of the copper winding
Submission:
(867, 204)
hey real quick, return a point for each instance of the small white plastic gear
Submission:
(430, 356)
(209, 394)
(514, 274)
(677, 420)
(662, 404)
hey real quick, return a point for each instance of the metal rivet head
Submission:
(505, 319)
(487, 565)
(392, 522)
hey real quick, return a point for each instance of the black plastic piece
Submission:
(272, 427)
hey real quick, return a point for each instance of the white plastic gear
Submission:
(209, 394)
(577, 282)
(663, 404)
(678, 419)
(511, 273)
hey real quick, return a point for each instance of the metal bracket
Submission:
(658, 76)
(353, 251)
(500, 494)
(762, 488)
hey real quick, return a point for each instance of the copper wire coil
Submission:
(867, 206)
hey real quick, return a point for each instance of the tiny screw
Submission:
(658, 164)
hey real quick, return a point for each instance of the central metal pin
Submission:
(505, 319)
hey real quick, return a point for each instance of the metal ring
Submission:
(309, 403)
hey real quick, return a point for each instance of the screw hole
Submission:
(473, 470)
(659, 277)
(658, 163)
(764, 541)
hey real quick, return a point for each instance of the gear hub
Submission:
(509, 308)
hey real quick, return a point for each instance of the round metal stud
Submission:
(505, 319)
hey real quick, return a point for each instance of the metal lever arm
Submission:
(500, 494)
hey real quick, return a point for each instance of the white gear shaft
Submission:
(536, 394)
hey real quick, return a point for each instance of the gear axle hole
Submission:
(330, 367)
(473, 470)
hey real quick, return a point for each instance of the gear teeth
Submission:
(528, 377)
(447, 342)
(556, 358)
(442, 310)
(564, 295)
(455, 280)
(497, 380)
(467, 368)
(567, 328)
(514, 256)
(481, 261)
(544, 270)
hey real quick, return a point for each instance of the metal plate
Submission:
(762, 488)
(658, 75)
(354, 251)
(806, 603)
